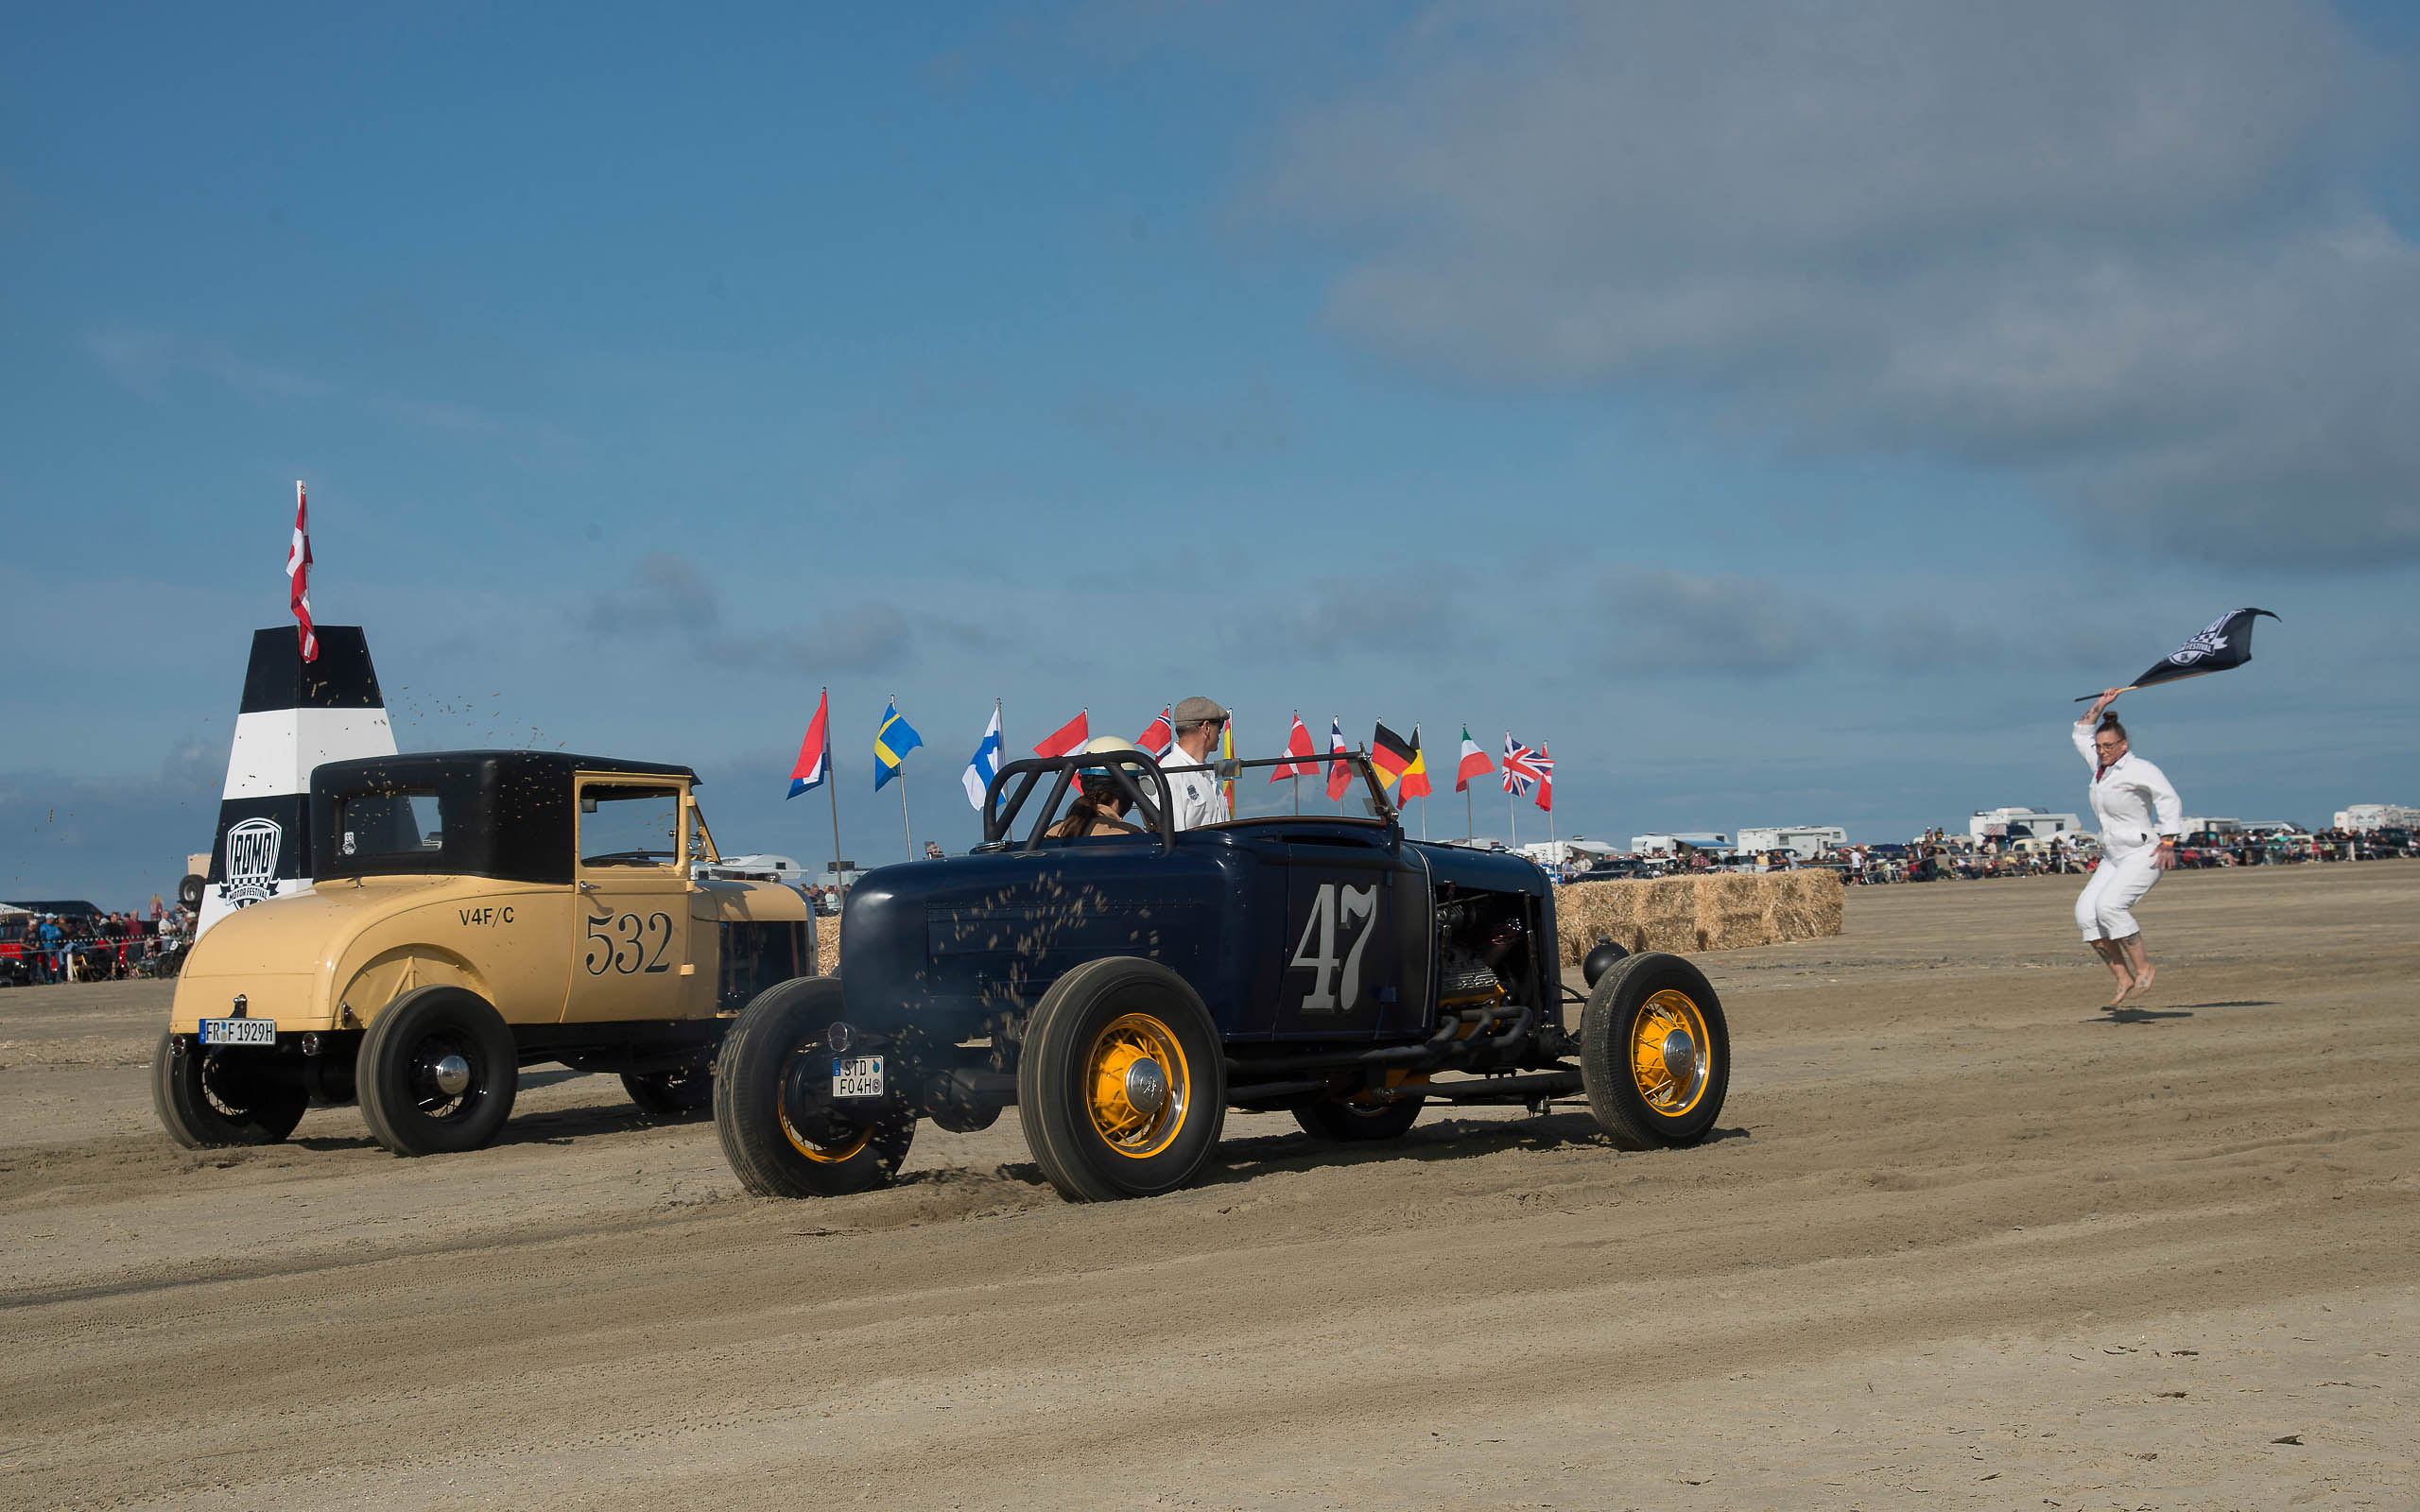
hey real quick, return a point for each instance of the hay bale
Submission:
(828, 945)
(1719, 912)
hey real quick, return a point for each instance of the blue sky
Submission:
(1782, 410)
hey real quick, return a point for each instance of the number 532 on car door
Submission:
(629, 944)
(1330, 949)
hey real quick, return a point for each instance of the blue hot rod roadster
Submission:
(1122, 991)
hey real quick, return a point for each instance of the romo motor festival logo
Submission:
(251, 862)
(2209, 643)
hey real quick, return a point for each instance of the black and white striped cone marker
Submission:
(295, 716)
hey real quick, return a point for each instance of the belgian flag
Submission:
(1415, 777)
(1392, 756)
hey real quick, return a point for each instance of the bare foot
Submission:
(2125, 984)
(2142, 983)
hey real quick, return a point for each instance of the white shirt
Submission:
(2132, 800)
(1196, 797)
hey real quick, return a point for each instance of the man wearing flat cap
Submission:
(1195, 795)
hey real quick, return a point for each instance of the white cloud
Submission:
(2122, 248)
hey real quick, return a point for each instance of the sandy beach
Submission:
(1963, 1240)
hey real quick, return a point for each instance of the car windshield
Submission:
(1257, 794)
(630, 824)
(1275, 788)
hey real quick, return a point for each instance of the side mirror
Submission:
(1228, 770)
(587, 804)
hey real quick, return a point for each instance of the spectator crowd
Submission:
(38, 948)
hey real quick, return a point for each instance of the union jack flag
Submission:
(1523, 768)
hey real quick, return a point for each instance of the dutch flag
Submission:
(815, 752)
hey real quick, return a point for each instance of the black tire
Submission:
(189, 891)
(764, 1085)
(410, 1096)
(1141, 1010)
(684, 1093)
(1667, 1093)
(1351, 1122)
(210, 1098)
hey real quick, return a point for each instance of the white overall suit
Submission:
(2136, 805)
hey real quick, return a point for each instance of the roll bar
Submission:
(1000, 820)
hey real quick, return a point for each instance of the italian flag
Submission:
(1474, 763)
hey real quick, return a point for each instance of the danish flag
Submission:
(1067, 737)
(1545, 763)
(1521, 771)
(1303, 756)
(298, 567)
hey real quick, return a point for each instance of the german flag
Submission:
(1392, 755)
(1415, 777)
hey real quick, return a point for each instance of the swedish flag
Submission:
(895, 740)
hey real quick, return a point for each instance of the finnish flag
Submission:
(978, 773)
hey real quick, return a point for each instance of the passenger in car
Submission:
(1099, 804)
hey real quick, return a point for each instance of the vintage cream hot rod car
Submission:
(472, 913)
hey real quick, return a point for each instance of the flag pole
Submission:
(1512, 816)
(1297, 778)
(832, 790)
(904, 830)
(2179, 677)
(1226, 752)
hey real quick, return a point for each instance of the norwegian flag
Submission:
(1160, 737)
(1545, 763)
(298, 567)
(1303, 757)
(1520, 768)
(1339, 775)
(1067, 737)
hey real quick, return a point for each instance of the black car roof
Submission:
(491, 763)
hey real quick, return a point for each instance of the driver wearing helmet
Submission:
(1099, 802)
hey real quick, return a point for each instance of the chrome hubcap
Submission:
(1147, 1086)
(1679, 1057)
(451, 1075)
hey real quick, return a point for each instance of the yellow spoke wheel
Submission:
(771, 1062)
(822, 1154)
(1121, 1088)
(1654, 1053)
(1137, 1085)
(1668, 1056)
